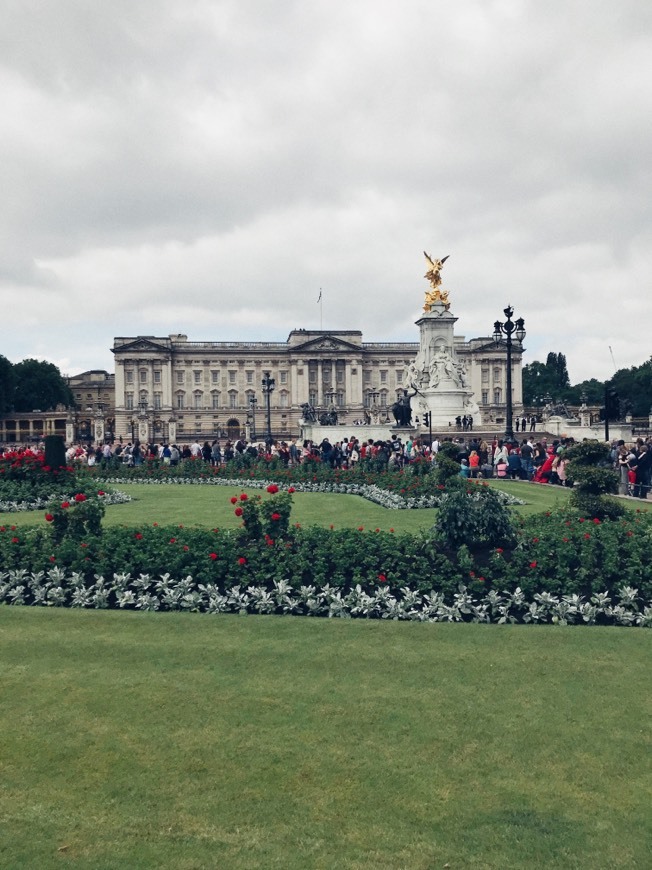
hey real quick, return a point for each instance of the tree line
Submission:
(32, 385)
(629, 390)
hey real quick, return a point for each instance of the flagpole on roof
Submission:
(321, 310)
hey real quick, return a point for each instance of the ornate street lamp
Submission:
(503, 333)
(268, 388)
(253, 401)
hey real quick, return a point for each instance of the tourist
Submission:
(216, 453)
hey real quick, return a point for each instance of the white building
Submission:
(169, 388)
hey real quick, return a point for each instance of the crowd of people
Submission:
(536, 461)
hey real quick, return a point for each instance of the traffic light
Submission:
(426, 418)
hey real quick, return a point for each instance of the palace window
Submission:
(250, 377)
(143, 376)
(383, 377)
(233, 399)
(497, 396)
(283, 399)
(181, 377)
(130, 376)
(129, 401)
(157, 401)
(232, 377)
(157, 377)
(197, 377)
(496, 374)
(215, 377)
(181, 400)
(215, 400)
(485, 397)
(283, 377)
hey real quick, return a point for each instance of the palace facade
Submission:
(169, 388)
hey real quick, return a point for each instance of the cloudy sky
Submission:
(206, 166)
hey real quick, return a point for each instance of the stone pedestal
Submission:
(437, 376)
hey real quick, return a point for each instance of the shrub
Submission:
(475, 517)
(55, 451)
(590, 470)
(447, 466)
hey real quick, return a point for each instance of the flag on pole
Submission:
(319, 299)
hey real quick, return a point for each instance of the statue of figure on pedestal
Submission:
(441, 367)
(434, 276)
(462, 377)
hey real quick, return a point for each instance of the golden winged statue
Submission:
(434, 276)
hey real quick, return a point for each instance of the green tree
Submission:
(539, 380)
(634, 388)
(39, 385)
(7, 385)
(592, 389)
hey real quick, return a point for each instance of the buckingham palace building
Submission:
(172, 389)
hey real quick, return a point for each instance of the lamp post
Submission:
(508, 329)
(268, 388)
(253, 401)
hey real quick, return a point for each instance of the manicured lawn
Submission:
(210, 506)
(186, 741)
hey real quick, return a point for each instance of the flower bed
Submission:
(38, 503)
(372, 492)
(559, 554)
(417, 485)
(54, 588)
(28, 484)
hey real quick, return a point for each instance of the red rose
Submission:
(212, 556)
(80, 497)
(291, 489)
(276, 517)
(596, 521)
(535, 540)
(49, 518)
(233, 499)
(185, 548)
(392, 531)
(361, 528)
(242, 561)
(382, 578)
(272, 489)
(138, 536)
(587, 536)
(243, 496)
(173, 540)
(101, 492)
(15, 540)
(565, 540)
(499, 550)
(533, 564)
(238, 512)
(65, 504)
(52, 559)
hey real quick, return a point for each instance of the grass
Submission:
(186, 741)
(210, 506)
